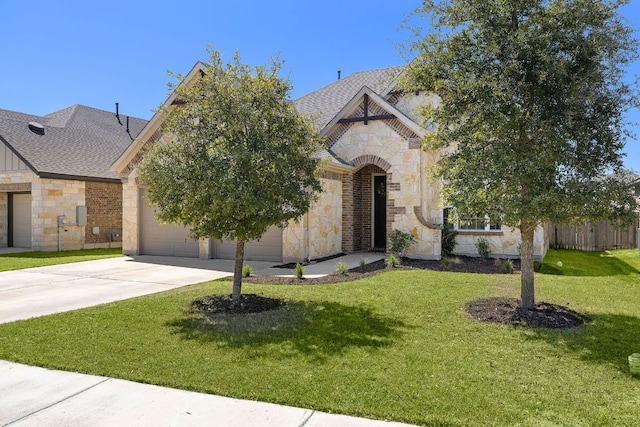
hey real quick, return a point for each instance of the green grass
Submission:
(394, 346)
(20, 260)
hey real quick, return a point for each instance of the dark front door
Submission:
(380, 212)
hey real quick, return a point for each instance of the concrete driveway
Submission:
(39, 291)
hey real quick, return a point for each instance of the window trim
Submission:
(489, 227)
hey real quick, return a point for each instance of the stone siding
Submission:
(503, 244)
(130, 215)
(51, 198)
(319, 232)
(380, 149)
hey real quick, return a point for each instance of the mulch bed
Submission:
(458, 264)
(249, 303)
(508, 311)
(498, 309)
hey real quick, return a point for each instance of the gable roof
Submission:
(331, 99)
(78, 142)
(150, 132)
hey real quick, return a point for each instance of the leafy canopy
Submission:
(241, 158)
(533, 99)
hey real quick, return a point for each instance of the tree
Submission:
(533, 101)
(241, 158)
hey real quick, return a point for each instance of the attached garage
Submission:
(20, 220)
(163, 239)
(268, 248)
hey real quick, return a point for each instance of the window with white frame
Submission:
(475, 223)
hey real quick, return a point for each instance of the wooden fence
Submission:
(599, 236)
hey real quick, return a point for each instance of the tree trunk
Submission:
(237, 273)
(527, 289)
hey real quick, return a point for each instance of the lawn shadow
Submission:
(313, 329)
(607, 338)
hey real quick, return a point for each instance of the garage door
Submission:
(163, 239)
(21, 214)
(268, 248)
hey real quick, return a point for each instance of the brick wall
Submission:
(104, 210)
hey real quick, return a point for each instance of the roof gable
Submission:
(328, 101)
(367, 105)
(151, 133)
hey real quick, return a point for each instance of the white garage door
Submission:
(268, 248)
(163, 239)
(21, 220)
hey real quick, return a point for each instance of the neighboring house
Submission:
(374, 181)
(56, 188)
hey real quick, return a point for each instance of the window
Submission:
(475, 223)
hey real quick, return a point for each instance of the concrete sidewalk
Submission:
(31, 396)
(39, 397)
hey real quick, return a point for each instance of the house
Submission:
(374, 181)
(56, 188)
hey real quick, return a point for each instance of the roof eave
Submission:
(53, 175)
(152, 125)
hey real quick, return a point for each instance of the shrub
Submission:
(400, 241)
(508, 266)
(392, 261)
(483, 247)
(448, 242)
(299, 271)
(341, 268)
(246, 270)
(446, 263)
(363, 264)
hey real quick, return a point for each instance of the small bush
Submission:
(448, 242)
(483, 247)
(392, 261)
(246, 270)
(363, 264)
(400, 241)
(508, 266)
(299, 271)
(446, 263)
(341, 268)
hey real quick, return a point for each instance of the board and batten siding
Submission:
(9, 161)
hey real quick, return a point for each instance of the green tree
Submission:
(241, 158)
(533, 100)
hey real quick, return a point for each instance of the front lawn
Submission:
(20, 260)
(395, 346)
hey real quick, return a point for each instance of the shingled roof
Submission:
(329, 100)
(78, 142)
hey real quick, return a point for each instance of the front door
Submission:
(380, 212)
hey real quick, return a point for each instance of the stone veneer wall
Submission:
(403, 161)
(50, 198)
(504, 243)
(130, 216)
(319, 232)
(104, 210)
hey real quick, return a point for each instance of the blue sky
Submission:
(58, 53)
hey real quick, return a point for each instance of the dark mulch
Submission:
(249, 303)
(458, 265)
(508, 311)
(500, 310)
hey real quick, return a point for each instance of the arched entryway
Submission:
(370, 209)
(366, 220)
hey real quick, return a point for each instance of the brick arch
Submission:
(371, 159)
